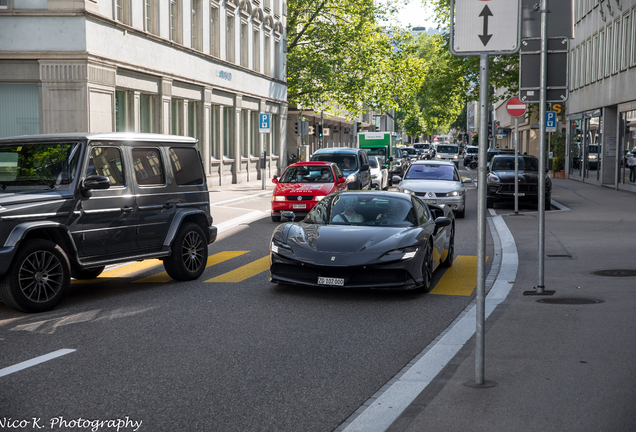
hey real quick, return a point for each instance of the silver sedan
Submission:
(436, 182)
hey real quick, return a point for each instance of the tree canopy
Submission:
(340, 58)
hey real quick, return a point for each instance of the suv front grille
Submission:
(522, 188)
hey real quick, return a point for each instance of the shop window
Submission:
(228, 131)
(146, 113)
(123, 11)
(178, 117)
(245, 133)
(254, 143)
(215, 128)
(148, 167)
(121, 111)
(151, 16)
(175, 21)
(186, 166)
(195, 26)
(214, 30)
(20, 108)
(193, 119)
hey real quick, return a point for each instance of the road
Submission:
(228, 352)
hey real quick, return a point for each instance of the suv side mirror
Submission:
(94, 182)
(365, 167)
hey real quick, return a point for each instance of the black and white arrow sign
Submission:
(485, 37)
(491, 26)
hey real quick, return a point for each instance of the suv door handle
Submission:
(167, 206)
(126, 209)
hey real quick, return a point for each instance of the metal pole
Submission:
(264, 153)
(302, 133)
(481, 219)
(321, 128)
(542, 113)
(515, 138)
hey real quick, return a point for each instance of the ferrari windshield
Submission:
(307, 174)
(50, 165)
(363, 209)
(431, 172)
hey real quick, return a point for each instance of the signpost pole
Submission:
(516, 136)
(481, 219)
(542, 123)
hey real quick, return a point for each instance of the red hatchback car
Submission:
(303, 184)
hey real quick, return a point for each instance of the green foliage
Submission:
(339, 58)
(558, 164)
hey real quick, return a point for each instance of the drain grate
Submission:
(615, 273)
(570, 301)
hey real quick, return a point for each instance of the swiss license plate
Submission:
(521, 194)
(330, 281)
(430, 201)
(300, 206)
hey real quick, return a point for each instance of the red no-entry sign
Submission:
(515, 107)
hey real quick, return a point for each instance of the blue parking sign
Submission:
(264, 124)
(550, 121)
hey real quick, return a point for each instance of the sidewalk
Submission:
(562, 366)
(234, 193)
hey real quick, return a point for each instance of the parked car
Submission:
(354, 163)
(303, 185)
(436, 182)
(448, 152)
(501, 180)
(74, 203)
(372, 240)
(494, 152)
(379, 173)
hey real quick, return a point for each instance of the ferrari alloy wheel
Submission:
(189, 254)
(38, 278)
(427, 268)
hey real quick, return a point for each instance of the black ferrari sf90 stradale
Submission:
(377, 240)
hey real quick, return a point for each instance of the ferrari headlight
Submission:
(277, 245)
(407, 253)
(278, 198)
(352, 178)
(319, 197)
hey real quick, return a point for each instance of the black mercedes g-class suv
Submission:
(70, 204)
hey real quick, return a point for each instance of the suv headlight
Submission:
(352, 178)
(493, 178)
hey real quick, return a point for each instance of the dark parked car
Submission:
(73, 203)
(501, 181)
(378, 240)
(494, 152)
(354, 163)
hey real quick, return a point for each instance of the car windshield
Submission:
(362, 209)
(346, 162)
(307, 174)
(472, 150)
(422, 146)
(409, 150)
(380, 151)
(592, 149)
(51, 165)
(508, 164)
(431, 172)
(447, 149)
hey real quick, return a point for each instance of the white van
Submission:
(448, 152)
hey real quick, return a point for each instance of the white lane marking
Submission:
(246, 218)
(240, 199)
(387, 407)
(35, 361)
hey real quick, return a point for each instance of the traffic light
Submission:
(297, 129)
(358, 126)
(319, 128)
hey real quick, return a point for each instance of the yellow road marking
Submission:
(212, 260)
(122, 271)
(460, 279)
(244, 272)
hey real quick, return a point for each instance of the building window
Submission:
(616, 47)
(277, 59)
(244, 44)
(4, 4)
(633, 38)
(266, 56)
(147, 122)
(276, 7)
(579, 67)
(594, 59)
(625, 58)
(151, 16)
(608, 50)
(175, 20)
(254, 144)
(20, 108)
(572, 69)
(122, 11)
(256, 48)
(214, 30)
(229, 46)
(121, 111)
(196, 27)
(228, 131)
(178, 117)
(588, 63)
(601, 55)
(246, 136)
